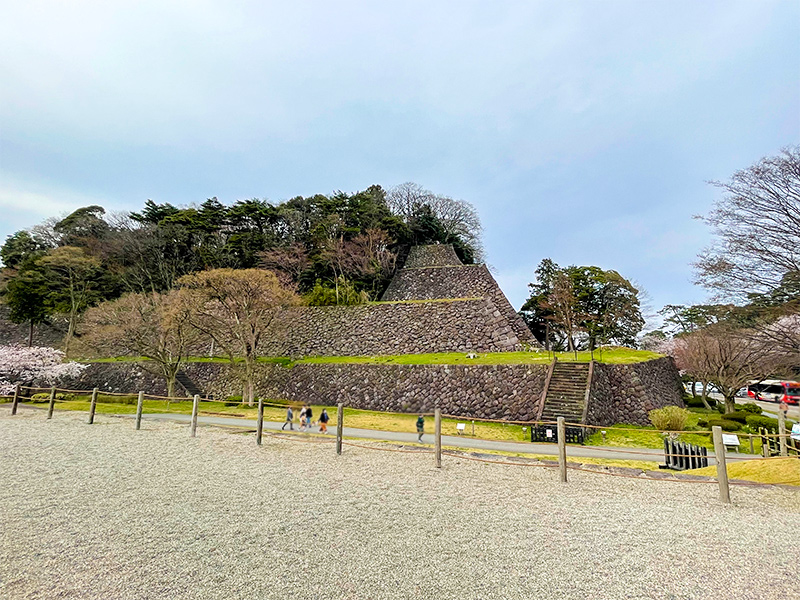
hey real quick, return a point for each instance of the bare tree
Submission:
(152, 326)
(236, 307)
(727, 357)
(757, 228)
(287, 262)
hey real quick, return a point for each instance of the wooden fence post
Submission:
(52, 402)
(139, 406)
(339, 427)
(437, 421)
(93, 406)
(195, 408)
(260, 427)
(750, 435)
(782, 432)
(15, 401)
(722, 467)
(561, 431)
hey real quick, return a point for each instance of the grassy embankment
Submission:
(779, 470)
(609, 356)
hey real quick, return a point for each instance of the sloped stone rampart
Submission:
(45, 334)
(466, 281)
(391, 328)
(627, 393)
(620, 393)
(434, 255)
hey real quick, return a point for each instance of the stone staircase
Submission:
(565, 394)
(189, 385)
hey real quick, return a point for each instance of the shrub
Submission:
(669, 418)
(725, 424)
(233, 401)
(698, 403)
(756, 421)
(751, 407)
(739, 416)
(702, 422)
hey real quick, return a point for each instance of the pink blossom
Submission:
(20, 364)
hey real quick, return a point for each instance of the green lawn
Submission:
(609, 355)
(782, 470)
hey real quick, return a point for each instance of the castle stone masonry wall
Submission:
(620, 393)
(391, 328)
(466, 281)
(434, 255)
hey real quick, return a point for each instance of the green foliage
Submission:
(752, 408)
(19, 248)
(669, 418)
(725, 424)
(692, 402)
(739, 416)
(756, 421)
(342, 293)
(606, 306)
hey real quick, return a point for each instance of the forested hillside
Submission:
(340, 248)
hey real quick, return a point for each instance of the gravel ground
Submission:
(107, 512)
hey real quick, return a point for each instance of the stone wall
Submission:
(626, 393)
(620, 393)
(46, 334)
(434, 255)
(466, 281)
(391, 328)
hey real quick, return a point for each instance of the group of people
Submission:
(306, 419)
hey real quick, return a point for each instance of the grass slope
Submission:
(609, 356)
(777, 470)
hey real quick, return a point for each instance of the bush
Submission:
(739, 416)
(669, 418)
(702, 422)
(698, 403)
(751, 407)
(233, 401)
(725, 424)
(756, 421)
(45, 397)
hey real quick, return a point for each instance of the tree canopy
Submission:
(338, 248)
(572, 307)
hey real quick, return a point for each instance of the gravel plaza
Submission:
(105, 511)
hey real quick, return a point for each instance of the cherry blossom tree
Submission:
(21, 364)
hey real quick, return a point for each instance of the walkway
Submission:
(465, 442)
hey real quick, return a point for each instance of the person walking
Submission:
(784, 408)
(303, 418)
(323, 421)
(289, 419)
(309, 414)
(420, 427)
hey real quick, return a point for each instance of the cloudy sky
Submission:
(582, 131)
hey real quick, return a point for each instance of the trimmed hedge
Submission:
(739, 416)
(751, 407)
(725, 424)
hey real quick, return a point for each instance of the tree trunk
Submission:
(30, 335)
(171, 386)
(730, 403)
(248, 375)
(694, 391)
(704, 396)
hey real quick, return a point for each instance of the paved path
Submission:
(608, 452)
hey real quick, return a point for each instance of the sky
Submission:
(583, 131)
